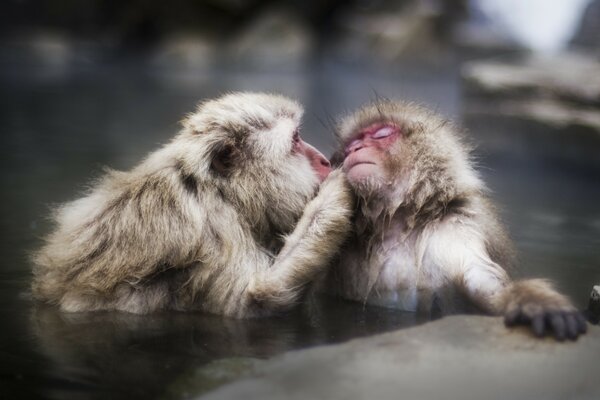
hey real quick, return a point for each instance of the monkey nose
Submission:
(322, 166)
(354, 146)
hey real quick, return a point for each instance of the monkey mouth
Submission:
(353, 164)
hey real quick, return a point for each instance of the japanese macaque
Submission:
(223, 219)
(426, 237)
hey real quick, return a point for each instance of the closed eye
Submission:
(383, 132)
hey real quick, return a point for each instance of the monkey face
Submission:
(242, 131)
(367, 151)
(389, 145)
(403, 154)
(375, 146)
(248, 147)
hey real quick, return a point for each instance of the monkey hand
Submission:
(336, 191)
(534, 302)
(327, 218)
(320, 232)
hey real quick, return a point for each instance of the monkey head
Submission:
(246, 149)
(398, 154)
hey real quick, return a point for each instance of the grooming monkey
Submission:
(426, 236)
(223, 219)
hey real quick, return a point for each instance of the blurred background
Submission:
(88, 83)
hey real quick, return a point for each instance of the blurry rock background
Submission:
(197, 34)
(272, 31)
(530, 66)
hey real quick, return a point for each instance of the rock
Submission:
(537, 106)
(191, 52)
(570, 77)
(211, 376)
(276, 39)
(388, 32)
(458, 357)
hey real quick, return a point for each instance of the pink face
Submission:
(366, 151)
(318, 162)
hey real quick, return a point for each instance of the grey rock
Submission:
(458, 357)
(390, 33)
(276, 39)
(210, 376)
(537, 106)
(192, 51)
(570, 77)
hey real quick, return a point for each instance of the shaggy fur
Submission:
(206, 222)
(427, 238)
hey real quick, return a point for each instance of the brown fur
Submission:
(206, 222)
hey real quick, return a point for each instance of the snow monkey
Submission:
(224, 219)
(426, 236)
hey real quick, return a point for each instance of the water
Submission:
(59, 127)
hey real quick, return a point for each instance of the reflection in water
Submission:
(112, 354)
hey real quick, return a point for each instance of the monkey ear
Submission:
(224, 159)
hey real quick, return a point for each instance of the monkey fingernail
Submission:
(558, 325)
(539, 325)
(581, 322)
(572, 326)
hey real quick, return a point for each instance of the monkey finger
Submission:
(538, 324)
(581, 322)
(511, 318)
(558, 325)
(572, 326)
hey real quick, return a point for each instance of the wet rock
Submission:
(540, 106)
(459, 357)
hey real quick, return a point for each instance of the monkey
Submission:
(426, 236)
(234, 216)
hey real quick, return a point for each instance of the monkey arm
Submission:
(535, 302)
(318, 235)
(461, 250)
(458, 248)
